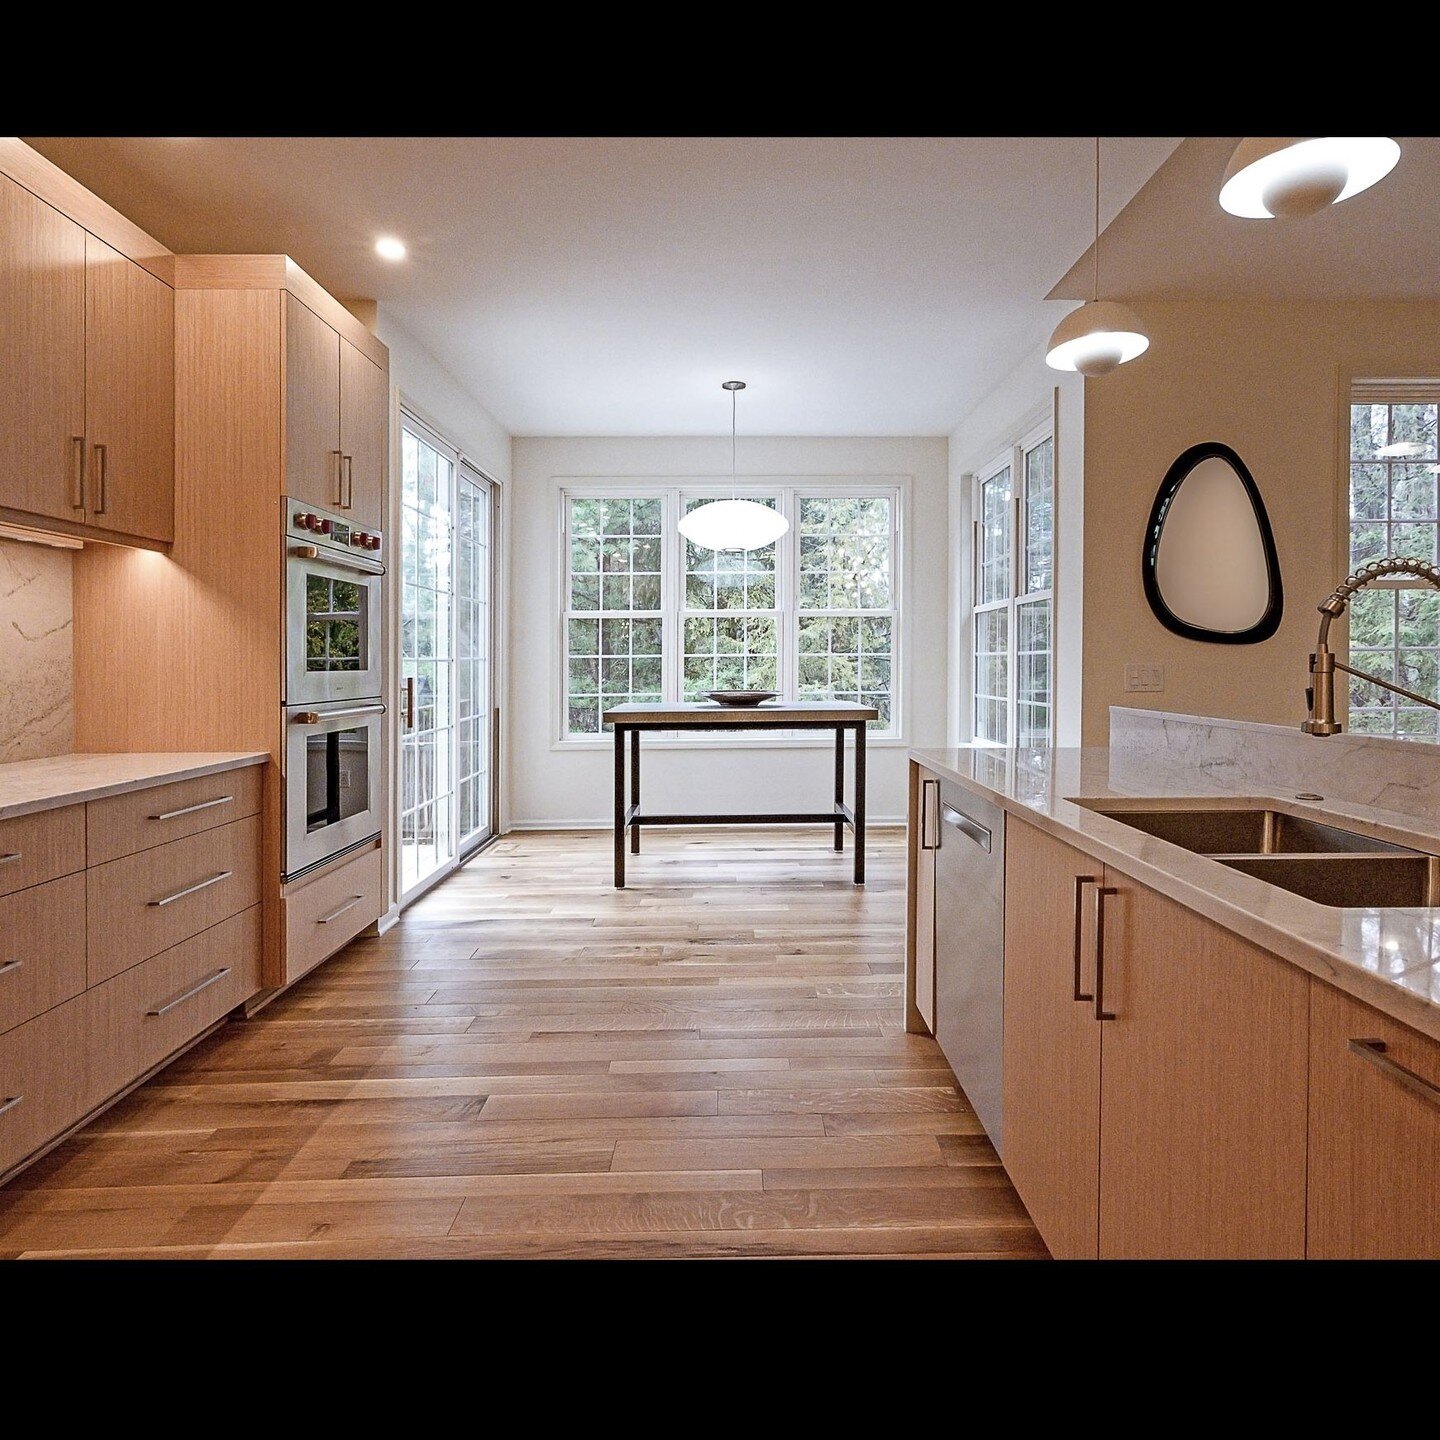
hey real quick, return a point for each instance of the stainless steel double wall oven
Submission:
(333, 665)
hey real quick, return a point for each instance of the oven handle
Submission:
(341, 561)
(316, 717)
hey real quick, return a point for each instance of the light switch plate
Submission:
(1145, 677)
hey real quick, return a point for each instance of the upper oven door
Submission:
(333, 625)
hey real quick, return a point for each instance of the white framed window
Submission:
(1013, 594)
(647, 615)
(1395, 623)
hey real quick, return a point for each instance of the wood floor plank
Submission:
(710, 1063)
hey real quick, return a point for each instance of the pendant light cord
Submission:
(1095, 273)
(734, 483)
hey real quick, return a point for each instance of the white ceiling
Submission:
(1174, 242)
(607, 286)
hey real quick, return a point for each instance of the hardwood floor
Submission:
(709, 1063)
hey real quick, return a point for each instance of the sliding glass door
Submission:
(446, 659)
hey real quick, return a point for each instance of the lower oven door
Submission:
(332, 642)
(333, 769)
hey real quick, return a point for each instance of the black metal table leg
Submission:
(860, 803)
(635, 790)
(839, 786)
(619, 807)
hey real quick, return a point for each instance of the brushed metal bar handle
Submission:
(101, 476)
(347, 475)
(927, 815)
(339, 479)
(10, 966)
(350, 904)
(13, 855)
(1101, 891)
(191, 809)
(78, 442)
(10, 1102)
(314, 717)
(1081, 881)
(339, 561)
(192, 889)
(410, 703)
(189, 994)
(1418, 1085)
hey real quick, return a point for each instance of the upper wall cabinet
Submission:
(336, 420)
(87, 414)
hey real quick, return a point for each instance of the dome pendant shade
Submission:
(1290, 176)
(733, 525)
(1097, 338)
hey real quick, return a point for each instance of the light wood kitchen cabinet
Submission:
(312, 408)
(1052, 1040)
(1374, 1174)
(42, 352)
(922, 916)
(364, 436)
(129, 396)
(1203, 1087)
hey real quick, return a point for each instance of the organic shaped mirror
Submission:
(1210, 568)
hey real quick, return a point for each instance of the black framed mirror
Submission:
(1209, 563)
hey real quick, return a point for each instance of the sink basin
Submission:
(1320, 862)
(1250, 832)
(1347, 880)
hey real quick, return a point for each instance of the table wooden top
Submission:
(709, 713)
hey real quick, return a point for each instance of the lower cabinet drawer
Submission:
(149, 1012)
(330, 909)
(42, 948)
(43, 1078)
(139, 819)
(148, 902)
(35, 848)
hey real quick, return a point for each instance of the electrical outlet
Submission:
(1144, 677)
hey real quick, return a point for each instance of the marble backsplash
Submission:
(1398, 775)
(36, 670)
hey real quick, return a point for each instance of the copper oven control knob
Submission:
(374, 542)
(324, 527)
(302, 521)
(357, 537)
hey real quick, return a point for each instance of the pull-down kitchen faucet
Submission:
(1320, 693)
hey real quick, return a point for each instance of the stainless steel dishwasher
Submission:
(970, 947)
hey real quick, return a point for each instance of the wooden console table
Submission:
(837, 715)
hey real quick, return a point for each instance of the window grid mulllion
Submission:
(787, 616)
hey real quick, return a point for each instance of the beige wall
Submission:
(1271, 380)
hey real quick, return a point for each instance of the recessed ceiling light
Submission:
(387, 247)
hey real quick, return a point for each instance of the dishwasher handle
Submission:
(966, 826)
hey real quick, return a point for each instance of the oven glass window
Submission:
(334, 624)
(337, 776)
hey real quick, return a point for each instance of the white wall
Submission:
(567, 785)
(1028, 395)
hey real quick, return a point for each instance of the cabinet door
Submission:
(364, 435)
(1052, 1041)
(42, 355)
(312, 408)
(923, 832)
(1202, 1101)
(129, 396)
(1374, 1134)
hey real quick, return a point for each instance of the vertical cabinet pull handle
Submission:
(1101, 891)
(929, 816)
(339, 479)
(410, 703)
(347, 468)
(1417, 1085)
(1081, 881)
(77, 443)
(100, 477)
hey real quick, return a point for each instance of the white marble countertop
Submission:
(1389, 958)
(30, 785)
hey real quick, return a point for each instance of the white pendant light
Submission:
(733, 524)
(1293, 176)
(1102, 334)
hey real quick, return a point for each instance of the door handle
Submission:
(100, 477)
(410, 703)
(78, 444)
(314, 717)
(1101, 891)
(339, 479)
(1081, 881)
(347, 475)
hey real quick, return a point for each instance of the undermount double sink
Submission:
(1320, 862)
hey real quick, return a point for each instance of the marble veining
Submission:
(1398, 775)
(36, 668)
(1389, 958)
(53, 781)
